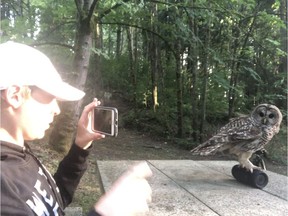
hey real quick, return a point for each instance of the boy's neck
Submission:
(7, 137)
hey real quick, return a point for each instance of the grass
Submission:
(88, 191)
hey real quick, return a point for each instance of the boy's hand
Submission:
(129, 195)
(85, 135)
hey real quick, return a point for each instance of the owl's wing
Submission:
(246, 132)
(236, 132)
(243, 138)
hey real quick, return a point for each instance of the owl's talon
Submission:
(250, 167)
(244, 163)
(258, 158)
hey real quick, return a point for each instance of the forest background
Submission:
(177, 70)
(184, 67)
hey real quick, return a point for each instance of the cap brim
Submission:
(63, 91)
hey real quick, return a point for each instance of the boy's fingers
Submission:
(90, 106)
(142, 170)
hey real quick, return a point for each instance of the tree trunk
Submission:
(205, 68)
(96, 62)
(63, 132)
(118, 42)
(154, 60)
(284, 35)
(154, 72)
(82, 57)
(192, 69)
(179, 92)
(132, 64)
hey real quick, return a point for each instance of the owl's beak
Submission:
(264, 121)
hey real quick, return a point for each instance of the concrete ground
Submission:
(188, 188)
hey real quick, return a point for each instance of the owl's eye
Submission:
(261, 114)
(271, 115)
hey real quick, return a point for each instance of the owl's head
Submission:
(267, 114)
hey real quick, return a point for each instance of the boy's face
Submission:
(37, 113)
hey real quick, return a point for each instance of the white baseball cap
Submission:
(23, 65)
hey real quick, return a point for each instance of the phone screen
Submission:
(105, 120)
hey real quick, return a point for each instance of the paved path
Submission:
(188, 188)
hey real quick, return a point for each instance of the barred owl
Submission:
(245, 135)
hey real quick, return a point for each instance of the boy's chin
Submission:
(40, 135)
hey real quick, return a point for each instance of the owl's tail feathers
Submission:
(205, 149)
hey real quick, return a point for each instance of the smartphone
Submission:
(105, 120)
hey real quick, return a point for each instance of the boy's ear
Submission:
(13, 96)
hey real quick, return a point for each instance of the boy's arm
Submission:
(70, 171)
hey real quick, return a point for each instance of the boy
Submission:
(30, 87)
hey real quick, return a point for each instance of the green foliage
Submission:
(149, 122)
(233, 46)
(277, 148)
(239, 44)
(239, 36)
